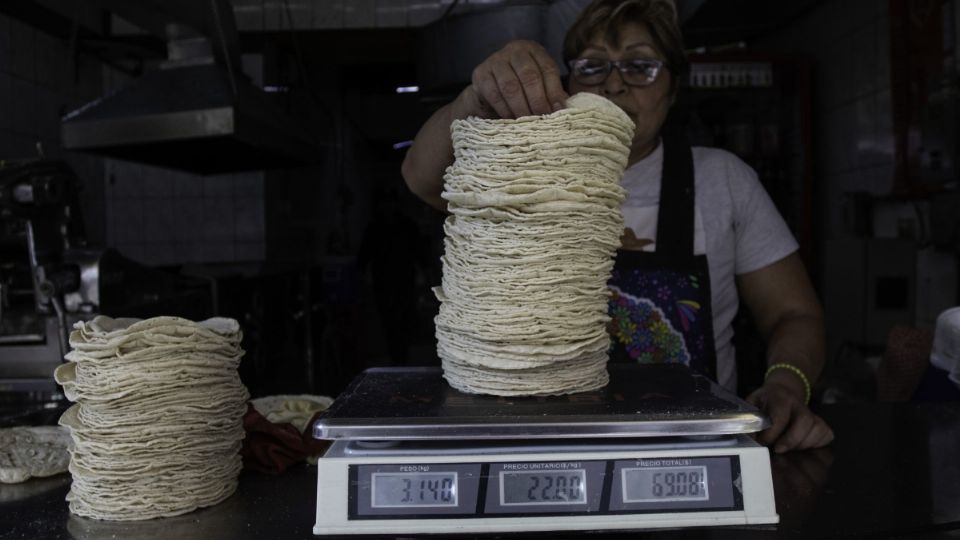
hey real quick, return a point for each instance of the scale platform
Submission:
(658, 447)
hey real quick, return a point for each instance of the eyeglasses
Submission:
(636, 72)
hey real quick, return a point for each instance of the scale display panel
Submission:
(523, 488)
(659, 447)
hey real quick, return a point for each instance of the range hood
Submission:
(188, 118)
(196, 112)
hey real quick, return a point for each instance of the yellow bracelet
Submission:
(798, 372)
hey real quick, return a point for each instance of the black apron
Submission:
(661, 305)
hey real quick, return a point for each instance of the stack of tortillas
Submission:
(529, 248)
(157, 425)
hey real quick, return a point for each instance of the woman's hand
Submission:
(795, 426)
(518, 80)
(630, 242)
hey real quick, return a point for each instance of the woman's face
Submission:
(646, 105)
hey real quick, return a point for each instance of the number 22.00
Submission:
(562, 488)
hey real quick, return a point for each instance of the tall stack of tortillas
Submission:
(157, 425)
(529, 248)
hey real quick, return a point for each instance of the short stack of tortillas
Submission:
(157, 425)
(529, 248)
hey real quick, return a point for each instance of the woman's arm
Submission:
(518, 80)
(787, 313)
(432, 150)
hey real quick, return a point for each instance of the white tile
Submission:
(866, 130)
(274, 17)
(217, 186)
(328, 14)
(360, 14)
(132, 251)
(884, 129)
(247, 252)
(836, 138)
(159, 219)
(164, 254)
(248, 15)
(6, 145)
(90, 83)
(218, 220)
(829, 23)
(253, 68)
(126, 222)
(216, 252)
(47, 54)
(297, 14)
(156, 185)
(124, 180)
(6, 102)
(867, 10)
(248, 184)
(882, 73)
(392, 13)
(48, 113)
(249, 219)
(865, 60)
(94, 221)
(191, 252)
(877, 180)
(5, 46)
(422, 13)
(189, 224)
(187, 186)
(24, 113)
(834, 68)
(23, 146)
(22, 50)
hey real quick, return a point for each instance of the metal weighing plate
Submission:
(659, 400)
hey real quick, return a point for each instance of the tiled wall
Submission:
(853, 139)
(163, 217)
(269, 15)
(39, 80)
(152, 215)
(854, 152)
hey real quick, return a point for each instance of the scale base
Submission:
(340, 502)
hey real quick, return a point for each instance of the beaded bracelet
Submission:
(798, 372)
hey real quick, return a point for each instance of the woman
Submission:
(700, 228)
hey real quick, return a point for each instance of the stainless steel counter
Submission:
(893, 470)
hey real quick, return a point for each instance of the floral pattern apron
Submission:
(661, 306)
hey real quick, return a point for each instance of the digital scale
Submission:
(658, 447)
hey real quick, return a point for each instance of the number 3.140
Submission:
(440, 489)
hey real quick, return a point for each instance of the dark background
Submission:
(329, 267)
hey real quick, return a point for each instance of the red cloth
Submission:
(271, 448)
(904, 363)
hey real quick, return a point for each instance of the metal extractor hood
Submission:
(196, 112)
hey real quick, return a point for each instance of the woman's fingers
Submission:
(800, 425)
(819, 435)
(556, 95)
(519, 80)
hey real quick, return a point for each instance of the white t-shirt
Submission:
(736, 225)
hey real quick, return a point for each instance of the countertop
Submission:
(893, 470)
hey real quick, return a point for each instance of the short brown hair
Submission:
(608, 16)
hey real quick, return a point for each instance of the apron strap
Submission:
(675, 216)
